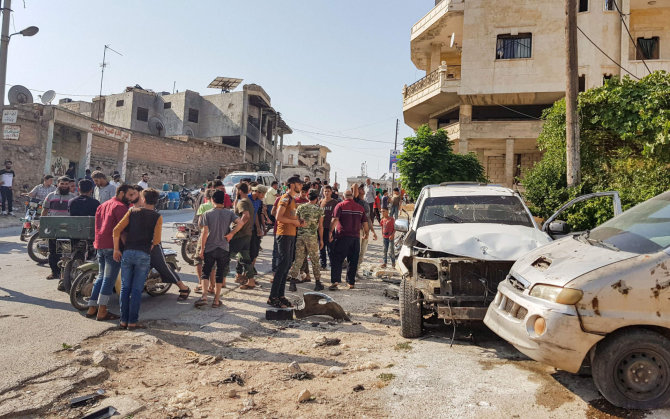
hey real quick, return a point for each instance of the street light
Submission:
(29, 31)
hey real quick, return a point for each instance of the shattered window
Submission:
(474, 209)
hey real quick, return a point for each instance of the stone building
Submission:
(305, 160)
(492, 67)
(46, 139)
(243, 119)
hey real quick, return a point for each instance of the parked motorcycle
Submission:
(186, 197)
(74, 253)
(30, 219)
(82, 287)
(38, 247)
(187, 237)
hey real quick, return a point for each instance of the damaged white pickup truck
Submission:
(460, 244)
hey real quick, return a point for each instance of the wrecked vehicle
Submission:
(600, 297)
(460, 244)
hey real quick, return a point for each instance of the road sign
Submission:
(393, 161)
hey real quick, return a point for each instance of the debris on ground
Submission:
(304, 396)
(320, 304)
(325, 341)
(333, 372)
(358, 388)
(234, 378)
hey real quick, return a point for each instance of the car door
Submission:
(556, 228)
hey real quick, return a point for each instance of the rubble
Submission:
(317, 303)
(333, 372)
(294, 368)
(101, 359)
(367, 366)
(325, 341)
(304, 396)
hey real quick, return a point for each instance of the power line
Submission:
(637, 49)
(605, 54)
(62, 94)
(341, 136)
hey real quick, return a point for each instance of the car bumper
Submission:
(563, 345)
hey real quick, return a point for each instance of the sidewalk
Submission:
(10, 221)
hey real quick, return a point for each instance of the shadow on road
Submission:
(21, 298)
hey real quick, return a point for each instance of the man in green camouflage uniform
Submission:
(309, 240)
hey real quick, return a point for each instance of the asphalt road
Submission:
(36, 319)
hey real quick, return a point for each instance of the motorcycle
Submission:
(82, 287)
(74, 253)
(30, 219)
(186, 197)
(38, 248)
(187, 237)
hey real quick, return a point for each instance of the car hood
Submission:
(482, 241)
(564, 260)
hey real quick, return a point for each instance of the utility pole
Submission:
(4, 46)
(102, 74)
(395, 147)
(571, 93)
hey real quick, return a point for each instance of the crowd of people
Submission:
(312, 222)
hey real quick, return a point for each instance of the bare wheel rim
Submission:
(642, 374)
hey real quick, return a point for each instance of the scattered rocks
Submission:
(209, 359)
(101, 359)
(335, 352)
(333, 372)
(304, 396)
(359, 388)
(367, 366)
(248, 405)
(294, 368)
(484, 404)
(326, 341)
(232, 394)
(124, 405)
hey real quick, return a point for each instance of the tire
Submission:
(34, 252)
(154, 285)
(25, 234)
(411, 318)
(629, 355)
(81, 289)
(188, 248)
(71, 270)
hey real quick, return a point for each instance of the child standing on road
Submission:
(388, 233)
(143, 226)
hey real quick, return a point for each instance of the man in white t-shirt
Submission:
(116, 180)
(144, 183)
(7, 176)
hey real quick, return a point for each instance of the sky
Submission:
(330, 67)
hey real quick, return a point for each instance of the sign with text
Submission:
(108, 131)
(11, 132)
(393, 161)
(9, 116)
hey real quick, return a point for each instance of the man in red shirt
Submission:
(328, 204)
(345, 231)
(107, 217)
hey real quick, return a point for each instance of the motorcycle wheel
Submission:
(26, 233)
(81, 289)
(38, 249)
(71, 270)
(188, 249)
(153, 285)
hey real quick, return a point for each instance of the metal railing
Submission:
(443, 73)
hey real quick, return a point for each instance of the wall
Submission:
(222, 115)
(120, 116)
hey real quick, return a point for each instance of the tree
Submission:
(428, 158)
(625, 146)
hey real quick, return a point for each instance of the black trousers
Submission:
(326, 253)
(54, 258)
(159, 263)
(7, 197)
(222, 259)
(286, 249)
(349, 248)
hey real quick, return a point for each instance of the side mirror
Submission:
(559, 227)
(402, 226)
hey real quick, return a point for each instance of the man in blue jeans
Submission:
(107, 216)
(143, 227)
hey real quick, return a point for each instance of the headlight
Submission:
(560, 295)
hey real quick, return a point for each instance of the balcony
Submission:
(638, 68)
(435, 15)
(437, 91)
(253, 133)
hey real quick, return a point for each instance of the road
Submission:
(36, 319)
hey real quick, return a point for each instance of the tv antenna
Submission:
(102, 66)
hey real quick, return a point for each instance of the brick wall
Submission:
(495, 169)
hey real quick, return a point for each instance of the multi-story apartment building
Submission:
(305, 160)
(491, 67)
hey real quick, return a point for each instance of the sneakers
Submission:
(4, 212)
(318, 286)
(333, 287)
(292, 287)
(11, 214)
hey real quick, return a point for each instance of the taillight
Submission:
(27, 224)
(181, 228)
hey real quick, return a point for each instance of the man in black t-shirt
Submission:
(84, 205)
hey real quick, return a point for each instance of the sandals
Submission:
(285, 302)
(137, 326)
(183, 294)
(216, 304)
(247, 287)
(108, 316)
(200, 303)
(91, 316)
(333, 287)
(276, 303)
(198, 290)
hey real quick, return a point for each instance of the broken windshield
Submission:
(474, 209)
(644, 228)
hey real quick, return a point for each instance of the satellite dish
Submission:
(453, 38)
(19, 94)
(156, 126)
(47, 97)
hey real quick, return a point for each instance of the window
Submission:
(142, 114)
(606, 78)
(647, 48)
(609, 5)
(582, 83)
(474, 209)
(192, 115)
(119, 103)
(514, 46)
(167, 105)
(583, 6)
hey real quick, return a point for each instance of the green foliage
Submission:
(625, 146)
(428, 158)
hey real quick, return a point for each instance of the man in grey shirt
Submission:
(362, 202)
(41, 191)
(104, 191)
(216, 235)
(370, 192)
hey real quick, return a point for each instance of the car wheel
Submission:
(411, 319)
(632, 369)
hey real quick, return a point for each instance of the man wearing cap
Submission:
(287, 224)
(56, 203)
(307, 241)
(345, 230)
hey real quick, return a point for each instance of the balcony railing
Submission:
(445, 79)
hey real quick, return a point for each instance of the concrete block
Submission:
(279, 314)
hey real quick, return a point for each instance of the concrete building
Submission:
(305, 160)
(491, 67)
(243, 119)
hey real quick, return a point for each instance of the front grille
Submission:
(513, 309)
(474, 278)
